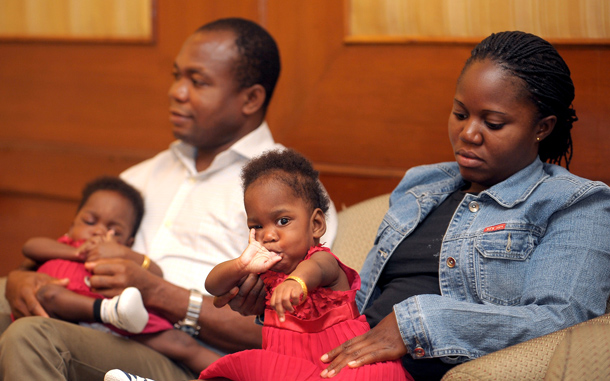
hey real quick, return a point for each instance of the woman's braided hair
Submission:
(547, 79)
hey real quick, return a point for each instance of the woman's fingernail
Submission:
(352, 363)
(324, 358)
(323, 374)
(331, 373)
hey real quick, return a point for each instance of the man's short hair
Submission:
(259, 61)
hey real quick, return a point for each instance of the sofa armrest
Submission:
(4, 306)
(525, 361)
(357, 228)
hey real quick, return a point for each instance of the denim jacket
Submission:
(526, 257)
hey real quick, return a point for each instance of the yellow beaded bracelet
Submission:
(146, 262)
(302, 283)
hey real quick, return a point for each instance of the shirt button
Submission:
(474, 206)
(451, 262)
(419, 352)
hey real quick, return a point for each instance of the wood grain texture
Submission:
(364, 113)
(424, 19)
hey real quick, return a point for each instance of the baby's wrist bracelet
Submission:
(302, 283)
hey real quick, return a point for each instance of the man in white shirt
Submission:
(224, 77)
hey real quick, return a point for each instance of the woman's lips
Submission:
(468, 159)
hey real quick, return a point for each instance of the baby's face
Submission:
(105, 210)
(282, 221)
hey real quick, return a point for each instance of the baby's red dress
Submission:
(76, 272)
(292, 349)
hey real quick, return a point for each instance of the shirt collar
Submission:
(244, 149)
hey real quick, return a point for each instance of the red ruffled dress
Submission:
(292, 349)
(76, 272)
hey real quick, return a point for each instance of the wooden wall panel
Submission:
(363, 113)
(23, 216)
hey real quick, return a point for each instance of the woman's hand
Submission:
(256, 258)
(21, 288)
(381, 343)
(247, 299)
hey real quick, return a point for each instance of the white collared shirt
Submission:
(195, 220)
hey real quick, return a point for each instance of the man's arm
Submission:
(220, 327)
(111, 249)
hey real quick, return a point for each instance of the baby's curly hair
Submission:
(294, 170)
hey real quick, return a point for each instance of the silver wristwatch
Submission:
(190, 323)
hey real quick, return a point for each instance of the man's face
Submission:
(205, 100)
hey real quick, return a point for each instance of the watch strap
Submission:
(190, 323)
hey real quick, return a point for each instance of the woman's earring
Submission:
(537, 139)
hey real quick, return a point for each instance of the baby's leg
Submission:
(181, 347)
(125, 311)
(64, 304)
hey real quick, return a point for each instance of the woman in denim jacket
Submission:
(498, 247)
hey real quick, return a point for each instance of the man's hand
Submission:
(111, 276)
(108, 249)
(21, 288)
(247, 299)
(381, 343)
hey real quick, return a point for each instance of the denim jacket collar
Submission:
(517, 188)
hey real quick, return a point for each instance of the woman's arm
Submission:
(381, 343)
(41, 249)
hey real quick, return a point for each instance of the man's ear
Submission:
(318, 223)
(255, 98)
(545, 126)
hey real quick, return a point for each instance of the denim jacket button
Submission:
(473, 206)
(451, 262)
(419, 352)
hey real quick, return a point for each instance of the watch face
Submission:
(190, 330)
(186, 327)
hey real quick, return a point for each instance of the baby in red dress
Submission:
(105, 225)
(310, 306)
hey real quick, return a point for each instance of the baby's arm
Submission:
(41, 249)
(320, 270)
(226, 275)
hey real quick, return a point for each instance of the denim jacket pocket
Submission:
(501, 264)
